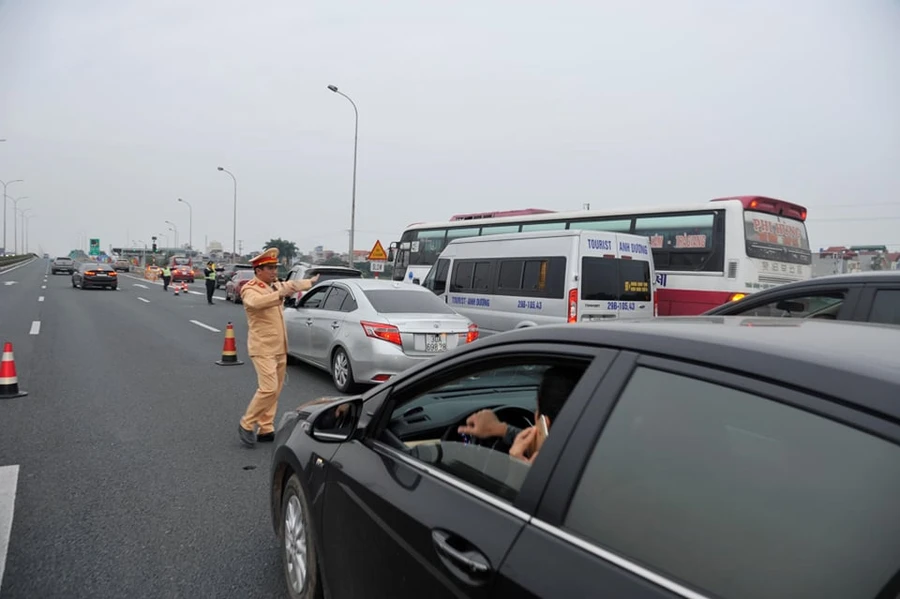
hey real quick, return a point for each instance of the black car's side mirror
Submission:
(338, 422)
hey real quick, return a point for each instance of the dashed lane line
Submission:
(40, 298)
(205, 326)
(141, 285)
(35, 328)
(43, 286)
(9, 478)
(146, 301)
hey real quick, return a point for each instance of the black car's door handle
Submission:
(469, 560)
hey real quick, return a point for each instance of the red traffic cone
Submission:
(229, 350)
(176, 289)
(9, 382)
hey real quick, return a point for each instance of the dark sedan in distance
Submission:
(668, 458)
(872, 296)
(91, 274)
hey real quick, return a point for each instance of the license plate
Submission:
(436, 343)
(101, 274)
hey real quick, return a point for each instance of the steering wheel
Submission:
(513, 415)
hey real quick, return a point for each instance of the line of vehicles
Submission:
(609, 452)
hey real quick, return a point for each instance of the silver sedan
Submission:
(368, 330)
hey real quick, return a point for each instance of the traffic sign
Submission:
(95, 247)
(377, 252)
(377, 266)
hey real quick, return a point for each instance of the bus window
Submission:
(429, 245)
(617, 226)
(555, 226)
(772, 237)
(677, 232)
(499, 229)
(461, 233)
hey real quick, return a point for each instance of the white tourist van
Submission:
(508, 281)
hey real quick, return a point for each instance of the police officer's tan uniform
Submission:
(266, 346)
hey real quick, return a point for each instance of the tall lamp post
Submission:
(4, 208)
(355, 144)
(174, 229)
(16, 211)
(22, 214)
(190, 223)
(234, 229)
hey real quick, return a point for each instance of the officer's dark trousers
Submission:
(210, 289)
(166, 281)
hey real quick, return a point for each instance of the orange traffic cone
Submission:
(9, 382)
(229, 350)
(175, 288)
(184, 287)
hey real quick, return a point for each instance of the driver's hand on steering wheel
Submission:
(483, 425)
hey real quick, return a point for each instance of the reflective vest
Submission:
(212, 274)
(167, 272)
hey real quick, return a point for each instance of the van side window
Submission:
(462, 276)
(440, 276)
(481, 280)
(532, 277)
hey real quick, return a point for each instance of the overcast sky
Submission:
(113, 109)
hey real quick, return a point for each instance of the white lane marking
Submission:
(206, 326)
(140, 285)
(43, 286)
(9, 283)
(40, 298)
(146, 301)
(35, 327)
(9, 478)
(219, 297)
(12, 268)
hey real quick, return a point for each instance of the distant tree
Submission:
(286, 249)
(333, 261)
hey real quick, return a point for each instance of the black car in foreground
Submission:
(864, 297)
(691, 457)
(92, 274)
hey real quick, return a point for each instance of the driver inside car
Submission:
(556, 386)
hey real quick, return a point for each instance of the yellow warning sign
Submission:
(377, 252)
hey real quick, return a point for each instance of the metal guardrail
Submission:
(12, 260)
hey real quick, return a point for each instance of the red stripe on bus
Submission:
(689, 302)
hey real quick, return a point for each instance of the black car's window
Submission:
(427, 421)
(406, 301)
(886, 307)
(824, 305)
(314, 298)
(349, 304)
(335, 299)
(739, 495)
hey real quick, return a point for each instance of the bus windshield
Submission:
(773, 237)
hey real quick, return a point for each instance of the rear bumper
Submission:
(99, 282)
(387, 361)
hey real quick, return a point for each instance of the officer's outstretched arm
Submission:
(299, 285)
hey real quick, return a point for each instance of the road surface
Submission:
(121, 472)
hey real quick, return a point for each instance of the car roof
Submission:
(345, 269)
(854, 362)
(376, 284)
(869, 276)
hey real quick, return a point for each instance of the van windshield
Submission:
(609, 279)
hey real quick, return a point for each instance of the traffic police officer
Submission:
(209, 273)
(263, 300)
(167, 276)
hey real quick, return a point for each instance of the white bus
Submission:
(705, 254)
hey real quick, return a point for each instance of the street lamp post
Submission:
(174, 229)
(190, 223)
(4, 208)
(16, 210)
(355, 145)
(166, 237)
(234, 229)
(27, 219)
(20, 213)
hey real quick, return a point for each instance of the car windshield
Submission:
(406, 301)
(243, 274)
(181, 261)
(63, 259)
